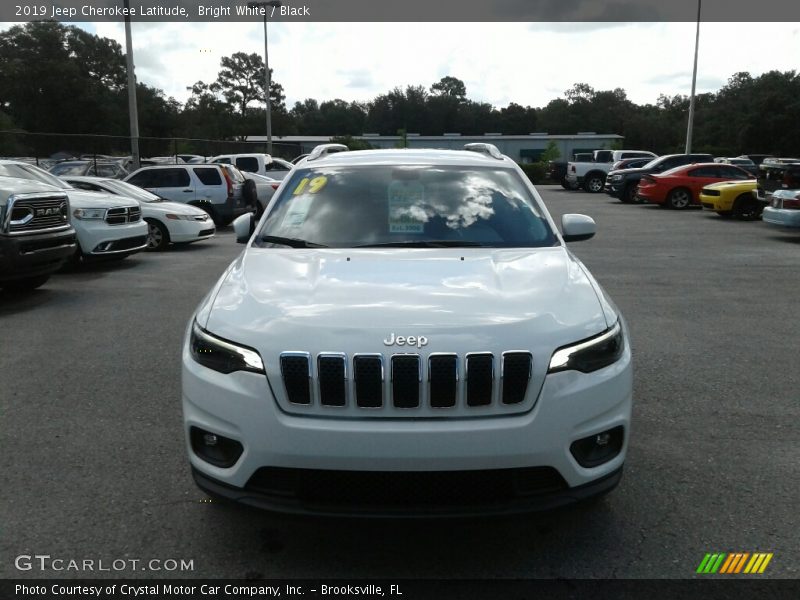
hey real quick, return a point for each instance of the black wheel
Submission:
(157, 235)
(24, 285)
(250, 192)
(629, 193)
(679, 198)
(746, 208)
(594, 183)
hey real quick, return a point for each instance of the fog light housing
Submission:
(214, 448)
(598, 448)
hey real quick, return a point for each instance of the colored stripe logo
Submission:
(734, 563)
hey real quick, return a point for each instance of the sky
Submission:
(500, 63)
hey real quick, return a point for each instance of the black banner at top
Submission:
(564, 11)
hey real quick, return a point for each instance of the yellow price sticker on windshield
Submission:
(312, 186)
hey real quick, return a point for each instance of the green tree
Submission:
(241, 81)
(451, 87)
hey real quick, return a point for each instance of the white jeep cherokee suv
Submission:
(407, 332)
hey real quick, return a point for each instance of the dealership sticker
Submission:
(406, 214)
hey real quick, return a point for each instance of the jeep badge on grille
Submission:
(412, 340)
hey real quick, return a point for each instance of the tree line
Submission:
(60, 78)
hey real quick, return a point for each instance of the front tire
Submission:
(157, 236)
(745, 208)
(629, 193)
(26, 284)
(679, 199)
(594, 183)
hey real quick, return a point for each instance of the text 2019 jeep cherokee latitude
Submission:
(406, 332)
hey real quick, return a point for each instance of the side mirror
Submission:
(576, 228)
(244, 227)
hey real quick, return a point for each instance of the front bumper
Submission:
(23, 256)
(98, 238)
(781, 217)
(570, 406)
(716, 203)
(181, 231)
(613, 189)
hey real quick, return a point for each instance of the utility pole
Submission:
(690, 127)
(132, 110)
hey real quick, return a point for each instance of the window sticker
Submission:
(311, 186)
(406, 214)
(297, 212)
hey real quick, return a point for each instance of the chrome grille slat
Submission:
(120, 216)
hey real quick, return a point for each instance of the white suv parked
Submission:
(406, 331)
(220, 190)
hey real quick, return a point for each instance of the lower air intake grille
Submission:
(404, 488)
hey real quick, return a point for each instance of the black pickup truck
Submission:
(776, 174)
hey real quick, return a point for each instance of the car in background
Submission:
(756, 158)
(262, 164)
(680, 187)
(776, 174)
(36, 237)
(315, 379)
(623, 184)
(741, 162)
(298, 158)
(784, 209)
(167, 222)
(192, 159)
(106, 226)
(731, 199)
(217, 189)
(591, 176)
(89, 167)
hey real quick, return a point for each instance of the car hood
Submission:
(739, 183)
(87, 199)
(636, 171)
(171, 207)
(471, 299)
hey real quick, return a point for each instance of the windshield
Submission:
(131, 191)
(68, 169)
(349, 207)
(33, 172)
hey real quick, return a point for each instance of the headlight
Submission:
(592, 354)
(180, 217)
(89, 213)
(221, 355)
(616, 177)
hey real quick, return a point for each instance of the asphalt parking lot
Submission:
(95, 466)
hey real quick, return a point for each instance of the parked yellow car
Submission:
(732, 199)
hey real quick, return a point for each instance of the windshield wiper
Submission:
(291, 242)
(424, 244)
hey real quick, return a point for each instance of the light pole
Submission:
(690, 127)
(267, 79)
(132, 110)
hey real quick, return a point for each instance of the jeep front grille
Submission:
(406, 384)
(120, 216)
(28, 213)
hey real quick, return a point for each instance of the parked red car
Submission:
(680, 187)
